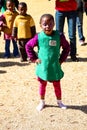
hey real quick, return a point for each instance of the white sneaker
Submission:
(82, 43)
(61, 105)
(41, 105)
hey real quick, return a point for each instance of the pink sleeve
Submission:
(30, 48)
(2, 18)
(65, 48)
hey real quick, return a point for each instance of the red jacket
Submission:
(66, 5)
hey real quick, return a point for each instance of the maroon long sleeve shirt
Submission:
(34, 42)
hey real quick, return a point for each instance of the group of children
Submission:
(6, 24)
(12, 22)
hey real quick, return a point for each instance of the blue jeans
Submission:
(7, 48)
(71, 21)
(79, 23)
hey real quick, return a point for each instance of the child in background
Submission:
(3, 8)
(6, 23)
(23, 29)
(49, 59)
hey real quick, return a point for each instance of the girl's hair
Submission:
(23, 4)
(49, 16)
(16, 2)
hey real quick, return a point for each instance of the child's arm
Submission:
(66, 48)
(14, 33)
(30, 48)
(33, 31)
(15, 29)
(2, 23)
(32, 26)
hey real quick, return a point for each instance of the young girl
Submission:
(6, 21)
(49, 59)
(23, 29)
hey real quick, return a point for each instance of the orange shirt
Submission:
(9, 19)
(23, 25)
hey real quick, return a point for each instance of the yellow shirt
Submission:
(23, 25)
(9, 19)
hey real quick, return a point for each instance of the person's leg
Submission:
(71, 19)
(79, 22)
(42, 90)
(23, 54)
(15, 48)
(7, 49)
(57, 90)
(60, 19)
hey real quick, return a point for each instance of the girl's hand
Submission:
(4, 25)
(38, 61)
(15, 39)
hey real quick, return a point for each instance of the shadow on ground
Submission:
(10, 63)
(80, 59)
(82, 108)
(2, 71)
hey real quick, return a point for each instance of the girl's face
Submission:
(22, 10)
(47, 25)
(10, 5)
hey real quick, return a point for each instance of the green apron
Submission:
(49, 53)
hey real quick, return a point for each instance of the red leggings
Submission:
(56, 85)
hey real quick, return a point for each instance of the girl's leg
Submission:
(42, 90)
(22, 51)
(57, 89)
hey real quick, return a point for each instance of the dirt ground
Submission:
(19, 88)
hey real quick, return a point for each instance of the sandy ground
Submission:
(19, 88)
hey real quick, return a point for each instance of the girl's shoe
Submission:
(61, 105)
(41, 105)
(74, 58)
(82, 42)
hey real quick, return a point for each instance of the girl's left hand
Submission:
(38, 61)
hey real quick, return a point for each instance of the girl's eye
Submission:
(44, 24)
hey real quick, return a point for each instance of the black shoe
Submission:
(74, 58)
(23, 60)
